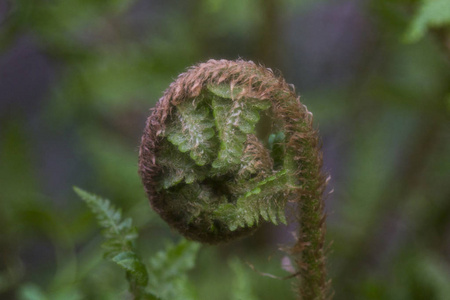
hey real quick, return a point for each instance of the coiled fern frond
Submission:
(225, 148)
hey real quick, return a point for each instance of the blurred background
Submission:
(77, 80)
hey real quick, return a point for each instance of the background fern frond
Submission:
(167, 275)
(119, 234)
(119, 245)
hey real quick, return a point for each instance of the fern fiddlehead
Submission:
(226, 147)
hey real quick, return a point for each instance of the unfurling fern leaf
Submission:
(225, 148)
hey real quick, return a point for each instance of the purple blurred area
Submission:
(327, 45)
(26, 78)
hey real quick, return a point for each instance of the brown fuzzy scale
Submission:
(301, 139)
(260, 156)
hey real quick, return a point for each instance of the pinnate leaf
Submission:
(131, 263)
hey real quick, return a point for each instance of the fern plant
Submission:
(227, 147)
(165, 279)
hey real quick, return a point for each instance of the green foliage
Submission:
(431, 14)
(120, 237)
(32, 292)
(242, 286)
(120, 234)
(179, 168)
(234, 120)
(166, 278)
(131, 263)
(168, 268)
(195, 124)
(266, 200)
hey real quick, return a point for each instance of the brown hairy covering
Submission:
(256, 82)
(258, 155)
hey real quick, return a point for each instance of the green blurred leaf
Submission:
(435, 274)
(242, 286)
(431, 14)
(167, 273)
(31, 291)
(131, 263)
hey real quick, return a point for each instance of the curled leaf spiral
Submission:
(228, 146)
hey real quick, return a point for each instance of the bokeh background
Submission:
(77, 80)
